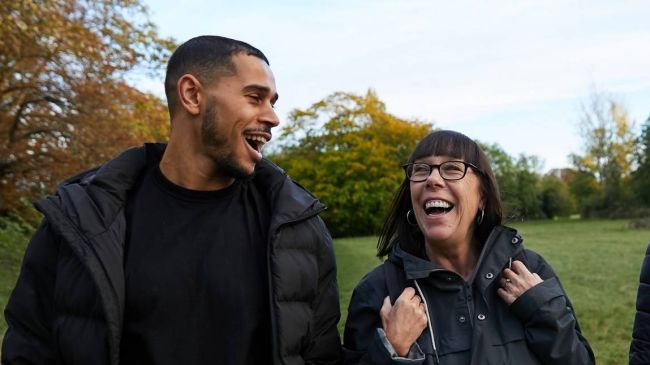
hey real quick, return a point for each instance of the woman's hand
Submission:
(403, 322)
(516, 281)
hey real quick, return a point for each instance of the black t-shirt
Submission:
(196, 275)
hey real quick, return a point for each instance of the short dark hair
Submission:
(206, 57)
(397, 230)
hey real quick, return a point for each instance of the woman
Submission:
(467, 290)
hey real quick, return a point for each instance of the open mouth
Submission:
(437, 207)
(256, 142)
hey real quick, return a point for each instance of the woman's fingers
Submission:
(404, 320)
(519, 268)
(507, 297)
(385, 308)
(516, 280)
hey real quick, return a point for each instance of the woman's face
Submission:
(445, 210)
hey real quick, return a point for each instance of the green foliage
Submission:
(578, 250)
(556, 200)
(609, 145)
(517, 179)
(14, 235)
(585, 190)
(641, 177)
(527, 179)
(347, 149)
(641, 223)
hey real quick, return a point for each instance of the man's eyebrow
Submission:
(262, 90)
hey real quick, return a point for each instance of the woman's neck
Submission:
(459, 258)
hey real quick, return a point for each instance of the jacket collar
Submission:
(502, 244)
(108, 187)
(290, 202)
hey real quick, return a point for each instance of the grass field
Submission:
(12, 245)
(598, 263)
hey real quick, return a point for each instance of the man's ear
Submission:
(190, 94)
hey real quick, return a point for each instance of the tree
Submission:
(556, 200)
(347, 149)
(608, 151)
(517, 180)
(527, 193)
(585, 190)
(63, 103)
(641, 176)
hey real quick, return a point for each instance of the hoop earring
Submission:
(479, 219)
(409, 218)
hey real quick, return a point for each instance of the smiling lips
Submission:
(257, 140)
(437, 207)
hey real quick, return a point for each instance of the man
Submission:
(192, 253)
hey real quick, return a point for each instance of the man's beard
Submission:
(217, 145)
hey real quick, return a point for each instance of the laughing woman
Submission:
(457, 287)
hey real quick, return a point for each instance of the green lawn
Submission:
(597, 261)
(12, 245)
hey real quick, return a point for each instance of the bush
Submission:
(640, 223)
(14, 235)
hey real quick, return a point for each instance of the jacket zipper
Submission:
(430, 325)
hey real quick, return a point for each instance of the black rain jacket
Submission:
(640, 346)
(68, 304)
(471, 323)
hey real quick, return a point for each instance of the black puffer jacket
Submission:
(470, 323)
(68, 303)
(640, 346)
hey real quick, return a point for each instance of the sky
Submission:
(514, 73)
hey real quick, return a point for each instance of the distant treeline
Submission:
(347, 149)
(65, 107)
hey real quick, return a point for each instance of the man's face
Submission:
(238, 116)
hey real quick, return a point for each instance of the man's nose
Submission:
(270, 117)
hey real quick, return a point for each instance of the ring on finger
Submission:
(507, 281)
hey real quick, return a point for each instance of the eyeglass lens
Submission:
(450, 170)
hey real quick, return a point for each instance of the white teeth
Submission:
(261, 142)
(256, 138)
(437, 204)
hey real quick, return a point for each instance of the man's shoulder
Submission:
(273, 180)
(128, 162)
(101, 190)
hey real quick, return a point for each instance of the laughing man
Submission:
(195, 252)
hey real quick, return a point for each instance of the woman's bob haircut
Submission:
(398, 231)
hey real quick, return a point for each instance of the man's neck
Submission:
(186, 167)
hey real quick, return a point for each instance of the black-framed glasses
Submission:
(448, 170)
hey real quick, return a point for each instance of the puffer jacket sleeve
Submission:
(325, 343)
(551, 327)
(364, 340)
(640, 346)
(29, 313)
